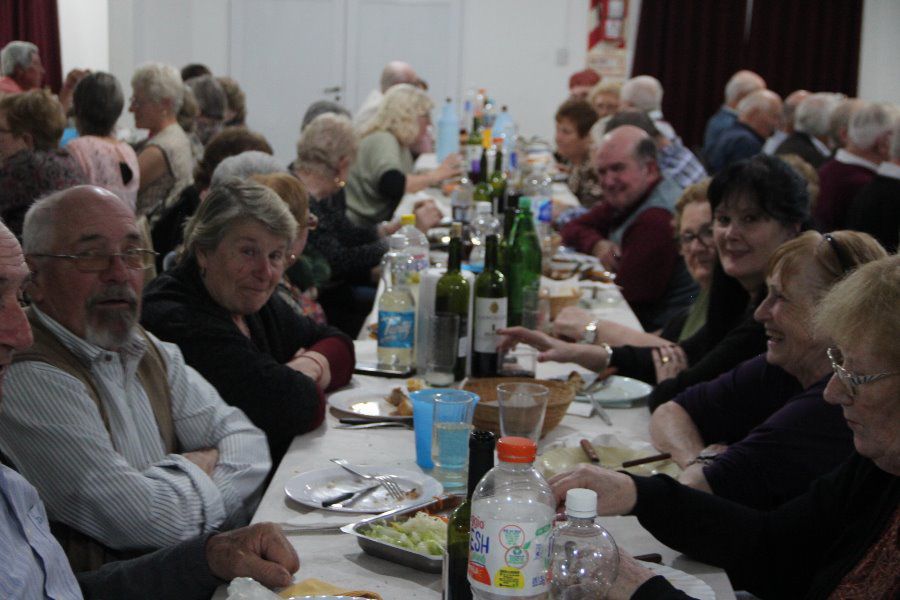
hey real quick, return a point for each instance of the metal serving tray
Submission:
(416, 560)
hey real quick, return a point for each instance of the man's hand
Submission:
(428, 215)
(205, 458)
(259, 551)
(570, 323)
(608, 253)
(616, 492)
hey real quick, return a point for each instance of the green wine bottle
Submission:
(452, 297)
(490, 309)
(524, 264)
(481, 460)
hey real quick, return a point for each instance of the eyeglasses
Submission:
(95, 262)
(705, 236)
(851, 381)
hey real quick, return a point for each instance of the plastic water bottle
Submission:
(448, 131)
(505, 127)
(584, 558)
(396, 308)
(485, 224)
(416, 243)
(512, 515)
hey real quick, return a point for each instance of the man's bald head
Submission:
(397, 72)
(761, 111)
(626, 164)
(742, 84)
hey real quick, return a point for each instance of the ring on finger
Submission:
(665, 359)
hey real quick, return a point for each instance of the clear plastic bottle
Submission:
(416, 243)
(485, 224)
(461, 200)
(396, 308)
(448, 131)
(584, 558)
(512, 514)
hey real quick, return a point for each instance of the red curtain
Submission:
(796, 44)
(34, 21)
(694, 46)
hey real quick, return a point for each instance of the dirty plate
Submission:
(620, 391)
(312, 487)
(364, 403)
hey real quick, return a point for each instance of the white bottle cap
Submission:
(482, 207)
(581, 503)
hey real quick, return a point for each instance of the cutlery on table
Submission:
(592, 455)
(358, 423)
(347, 498)
(384, 480)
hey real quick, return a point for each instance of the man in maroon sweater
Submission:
(630, 231)
(854, 166)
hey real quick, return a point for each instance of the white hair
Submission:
(758, 100)
(868, 123)
(245, 164)
(895, 139)
(160, 82)
(396, 72)
(643, 92)
(16, 54)
(813, 115)
(742, 84)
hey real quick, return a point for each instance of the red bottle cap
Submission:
(516, 449)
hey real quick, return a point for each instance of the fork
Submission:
(386, 481)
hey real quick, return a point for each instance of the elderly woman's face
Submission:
(873, 414)
(699, 253)
(786, 314)
(242, 271)
(745, 238)
(146, 112)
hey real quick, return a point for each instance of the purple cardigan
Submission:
(780, 437)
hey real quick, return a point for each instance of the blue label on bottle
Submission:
(396, 329)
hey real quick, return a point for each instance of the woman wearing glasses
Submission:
(219, 305)
(760, 433)
(836, 540)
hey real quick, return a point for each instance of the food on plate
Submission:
(398, 398)
(415, 384)
(422, 533)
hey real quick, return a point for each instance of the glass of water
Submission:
(451, 424)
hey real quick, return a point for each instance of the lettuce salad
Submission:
(423, 533)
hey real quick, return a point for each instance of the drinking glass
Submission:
(451, 424)
(522, 409)
(519, 361)
(440, 356)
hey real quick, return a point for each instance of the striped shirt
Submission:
(119, 486)
(34, 566)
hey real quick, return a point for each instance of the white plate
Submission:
(687, 583)
(312, 487)
(620, 391)
(362, 402)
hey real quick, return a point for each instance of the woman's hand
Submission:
(450, 167)
(669, 361)
(314, 365)
(428, 215)
(594, 358)
(570, 323)
(631, 575)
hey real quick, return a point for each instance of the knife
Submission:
(366, 420)
(348, 498)
(376, 425)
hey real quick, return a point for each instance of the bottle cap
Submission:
(516, 449)
(408, 220)
(397, 241)
(581, 503)
(456, 229)
(483, 207)
(480, 437)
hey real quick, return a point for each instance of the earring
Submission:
(339, 182)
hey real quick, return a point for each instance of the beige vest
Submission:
(86, 553)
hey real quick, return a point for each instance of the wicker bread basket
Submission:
(487, 412)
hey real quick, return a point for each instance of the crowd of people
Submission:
(174, 310)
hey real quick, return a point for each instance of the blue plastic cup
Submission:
(423, 418)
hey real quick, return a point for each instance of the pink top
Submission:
(109, 164)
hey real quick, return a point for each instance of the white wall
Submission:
(84, 34)
(878, 75)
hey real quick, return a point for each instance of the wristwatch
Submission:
(589, 336)
(704, 458)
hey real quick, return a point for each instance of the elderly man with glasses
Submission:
(130, 449)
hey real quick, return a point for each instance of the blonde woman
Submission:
(382, 173)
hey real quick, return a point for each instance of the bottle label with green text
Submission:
(490, 317)
(508, 557)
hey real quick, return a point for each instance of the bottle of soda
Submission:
(396, 308)
(512, 514)
(456, 564)
(584, 558)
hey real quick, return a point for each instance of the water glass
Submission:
(519, 361)
(440, 356)
(451, 424)
(522, 409)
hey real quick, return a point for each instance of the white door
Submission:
(425, 33)
(286, 54)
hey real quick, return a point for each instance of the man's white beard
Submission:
(110, 329)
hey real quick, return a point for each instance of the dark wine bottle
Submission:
(523, 257)
(452, 297)
(489, 314)
(456, 565)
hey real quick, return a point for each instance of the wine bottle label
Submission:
(396, 329)
(508, 557)
(490, 316)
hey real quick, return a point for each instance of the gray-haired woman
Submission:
(165, 160)
(97, 103)
(383, 170)
(218, 306)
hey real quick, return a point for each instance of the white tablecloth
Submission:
(336, 557)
